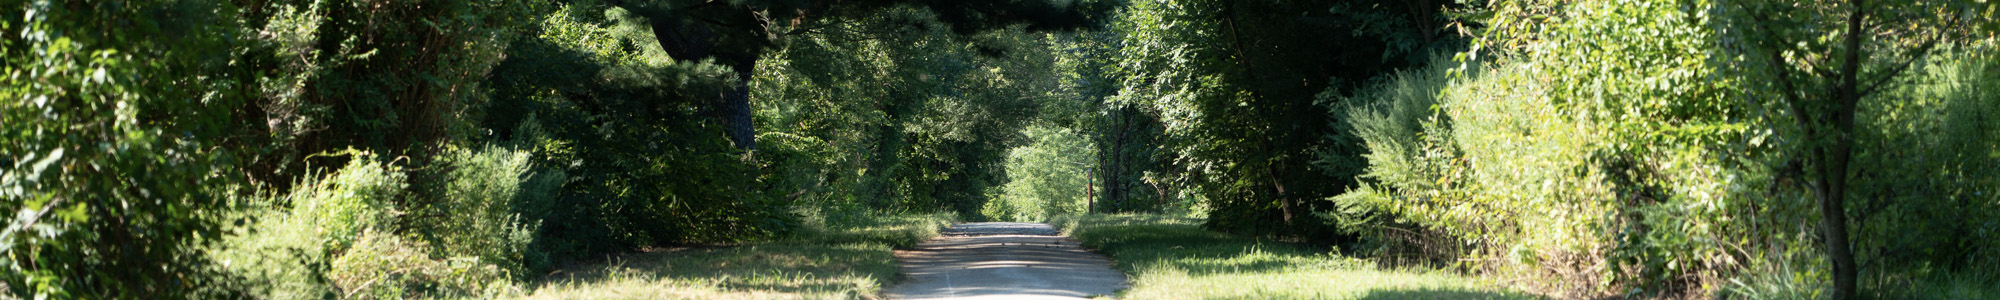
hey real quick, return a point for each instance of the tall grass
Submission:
(1174, 258)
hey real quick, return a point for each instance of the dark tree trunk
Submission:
(690, 40)
(1834, 158)
(1833, 214)
(1115, 162)
(735, 109)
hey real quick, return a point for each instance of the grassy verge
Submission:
(828, 261)
(1174, 258)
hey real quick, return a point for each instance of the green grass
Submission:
(1969, 284)
(1174, 258)
(827, 261)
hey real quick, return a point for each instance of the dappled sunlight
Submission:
(853, 260)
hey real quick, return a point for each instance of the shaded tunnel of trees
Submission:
(392, 149)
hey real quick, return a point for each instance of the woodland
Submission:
(389, 149)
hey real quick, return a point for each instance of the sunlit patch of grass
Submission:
(1174, 258)
(853, 260)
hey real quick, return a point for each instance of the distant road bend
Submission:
(1002, 260)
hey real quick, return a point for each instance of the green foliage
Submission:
(1232, 84)
(287, 252)
(1643, 168)
(525, 133)
(351, 234)
(1130, 167)
(386, 77)
(112, 170)
(1566, 156)
(1045, 178)
(382, 265)
(1930, 167)
(621, 124)
(909, 116)
(1399, 122)
(475, 214)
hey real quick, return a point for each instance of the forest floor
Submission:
(1000, 260)
(1174, 258)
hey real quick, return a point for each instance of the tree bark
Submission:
(1834, 157)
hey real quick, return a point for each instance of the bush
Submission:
(353, 233)
(474, 212)
(386, 266)
(1406, 136)
(288, 251)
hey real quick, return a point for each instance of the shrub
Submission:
(287, 252)
(352, 234)
(474, 213)
(386, 266)
(1406, 136)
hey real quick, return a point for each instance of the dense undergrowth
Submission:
(1661, 169)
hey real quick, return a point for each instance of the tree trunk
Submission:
(1834, 157)
(735, 109)
(1833, 216)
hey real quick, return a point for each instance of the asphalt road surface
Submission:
(999, 260)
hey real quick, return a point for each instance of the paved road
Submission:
(998, 260)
